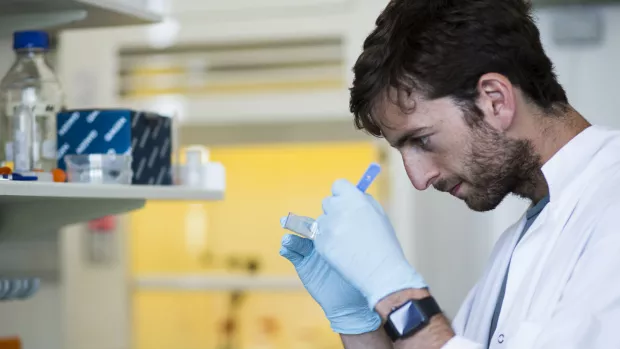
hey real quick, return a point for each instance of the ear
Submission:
(497, 100)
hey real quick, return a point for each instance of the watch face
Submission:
(408, 318)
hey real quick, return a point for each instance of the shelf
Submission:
(218, 283)
(72, 14)
(28, 208)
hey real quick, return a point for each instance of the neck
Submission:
(556, 131)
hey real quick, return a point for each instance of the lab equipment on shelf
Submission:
(145, 136)
(196, 156)
(99, 168)
(56, 175)
(31, 96)
(200, 172)
(307, 226)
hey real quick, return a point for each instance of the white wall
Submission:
(589, 72)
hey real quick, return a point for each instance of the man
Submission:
(464, 90)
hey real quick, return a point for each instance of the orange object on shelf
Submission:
(59, 175)
(5, 171)
(10, 343)
(103, 224)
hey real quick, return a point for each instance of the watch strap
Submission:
(430, 306)
(427, 305)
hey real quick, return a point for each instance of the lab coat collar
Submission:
(566, 164)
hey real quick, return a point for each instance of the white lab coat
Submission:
(563, 288)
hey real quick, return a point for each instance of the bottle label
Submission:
(44, 139)
(36, 109)
(20, 151)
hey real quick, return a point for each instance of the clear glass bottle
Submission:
(31, 83)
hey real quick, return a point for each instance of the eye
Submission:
(423, 142)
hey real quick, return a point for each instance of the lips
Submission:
(455, 190)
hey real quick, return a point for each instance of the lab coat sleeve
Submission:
(588, 314)
(459, 342)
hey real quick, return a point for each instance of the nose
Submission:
(420, 170)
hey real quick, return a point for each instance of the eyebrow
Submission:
(408, 135)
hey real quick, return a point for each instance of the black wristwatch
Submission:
(409, 318)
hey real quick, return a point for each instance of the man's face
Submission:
(475, 163)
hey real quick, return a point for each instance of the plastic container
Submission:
(199, 172)
(195, 158)
(99, 168)
(31, 83)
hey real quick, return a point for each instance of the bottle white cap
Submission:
(196, 155)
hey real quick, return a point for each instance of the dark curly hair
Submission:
(441, 48)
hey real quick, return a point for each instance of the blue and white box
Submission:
(147, 137)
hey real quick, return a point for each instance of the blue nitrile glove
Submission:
(344, 306)
(356, 237)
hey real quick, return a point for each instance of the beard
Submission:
(496, 166)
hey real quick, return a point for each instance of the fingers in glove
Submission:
(332, 204)
(343, 187)
(297, 244)
(321, 221)
(377, 206)
(292, 256)
(327, 205)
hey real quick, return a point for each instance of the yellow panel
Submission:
(238, 88)
(263, 184)
(169, 320)
(195, 320)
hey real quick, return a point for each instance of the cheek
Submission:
(454, 154)
(448, 157)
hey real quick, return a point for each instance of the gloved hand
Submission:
(344, 306)
(356, 237)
